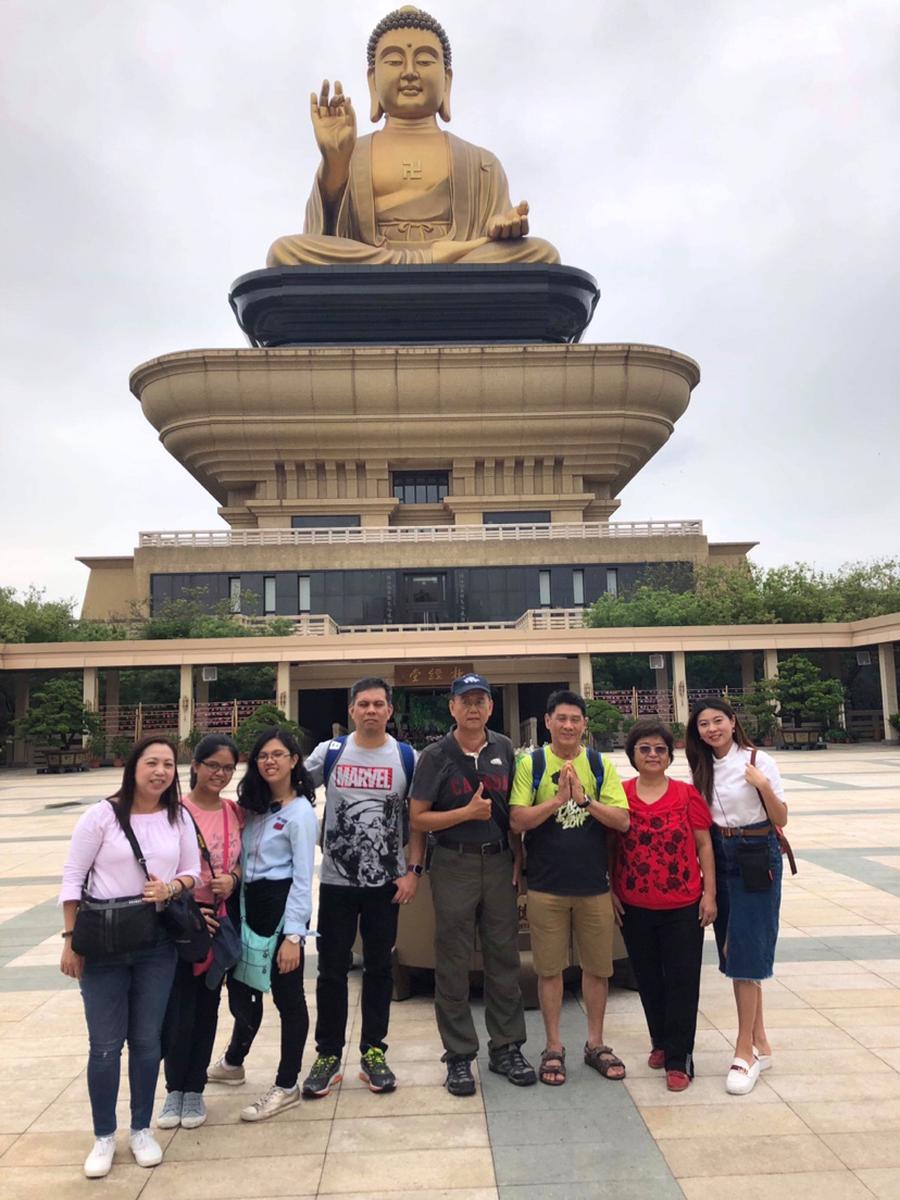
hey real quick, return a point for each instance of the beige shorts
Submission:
(554, 919)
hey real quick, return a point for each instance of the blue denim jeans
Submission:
(126, 998)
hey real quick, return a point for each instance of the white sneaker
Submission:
(145, 1148)
(223, 1072)
(274, 1100)
(741, 1079)
(100, 1160)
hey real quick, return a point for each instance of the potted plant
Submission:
(678, 731)
(604, 720)
(121, 748)
(894, 719)
(97, 748)
(58, 720)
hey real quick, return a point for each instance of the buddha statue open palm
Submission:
(410, 192)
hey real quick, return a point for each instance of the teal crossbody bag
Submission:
(254, 968)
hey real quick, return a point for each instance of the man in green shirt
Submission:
(564, 816)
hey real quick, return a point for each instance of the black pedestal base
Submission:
(408, 305)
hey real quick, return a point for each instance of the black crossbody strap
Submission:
(201, 840)
(132, 841)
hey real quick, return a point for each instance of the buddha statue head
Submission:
(409, 71)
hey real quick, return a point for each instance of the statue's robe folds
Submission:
(458, 209)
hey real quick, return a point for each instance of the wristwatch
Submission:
(585, 803)
(294, 938)
(415, 869)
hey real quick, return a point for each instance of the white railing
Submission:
(206, 539)
(536, 619)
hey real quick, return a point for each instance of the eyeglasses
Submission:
(215, 768)
(275, 756)
(648, 750)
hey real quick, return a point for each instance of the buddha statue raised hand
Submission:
(410, 192)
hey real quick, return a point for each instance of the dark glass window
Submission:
(536, 516)
(268, 593)
(420, 487)
(326, 521)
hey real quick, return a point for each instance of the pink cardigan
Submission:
(99, 843)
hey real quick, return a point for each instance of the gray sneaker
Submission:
(272, 1102)
(170, 1113)
(223, 1072)
(193, 1111)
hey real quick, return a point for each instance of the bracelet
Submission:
(66, 933)
(415, 869)
(237, 879)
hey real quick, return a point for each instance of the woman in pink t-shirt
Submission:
(190, 1026)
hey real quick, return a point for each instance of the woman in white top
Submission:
(743, 789)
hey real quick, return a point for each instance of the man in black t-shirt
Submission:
(460, 794)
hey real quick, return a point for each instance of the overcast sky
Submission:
(728, 170)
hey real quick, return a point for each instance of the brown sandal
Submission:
(553, 1062)
(602, 1059)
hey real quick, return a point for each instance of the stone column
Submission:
(585, 676)
(681, 707)
(90, 694)
(285, 695)
(185, 703)
(661, 685)
(20, 747)
(747, 669)
(888, 670)
(511, 710)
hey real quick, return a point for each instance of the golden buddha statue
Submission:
(410, 192)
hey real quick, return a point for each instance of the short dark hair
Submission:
(648, 727)
(371, 681)
(209, 745)
(409, 18)
(564, 696)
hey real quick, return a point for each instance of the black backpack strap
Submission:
(132, 840)
(201, 840)
(538, 767)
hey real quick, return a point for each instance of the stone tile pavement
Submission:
(823, 1124)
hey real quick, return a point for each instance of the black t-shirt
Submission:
(442, 780)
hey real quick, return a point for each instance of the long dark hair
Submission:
(699, 754)
(253, 792)
(124, 797)
(209, 745)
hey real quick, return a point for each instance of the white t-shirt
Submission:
(734, 800)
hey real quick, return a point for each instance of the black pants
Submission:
(666, 947)
(265, 902)
(341, 911)
(189, 1030)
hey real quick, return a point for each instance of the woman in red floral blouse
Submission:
(664, 895)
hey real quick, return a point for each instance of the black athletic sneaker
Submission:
(460, 1080)
(324, 1074)
(374, 1071)
(511, 1062)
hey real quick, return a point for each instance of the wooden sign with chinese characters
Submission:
(429, 674)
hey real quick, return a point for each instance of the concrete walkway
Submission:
(823, 1124)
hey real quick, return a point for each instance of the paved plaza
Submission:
(823, 1124)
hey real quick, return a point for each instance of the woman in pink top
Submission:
(126, 996)
(190, 1025)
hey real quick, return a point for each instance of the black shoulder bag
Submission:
(105, 929)
(183, 920)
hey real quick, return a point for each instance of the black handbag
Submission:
(185, 923)
(105, 929)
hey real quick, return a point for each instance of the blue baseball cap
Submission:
(469, 683)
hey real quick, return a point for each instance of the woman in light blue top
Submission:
(279, 843)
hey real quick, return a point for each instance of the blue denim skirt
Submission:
(746, 926)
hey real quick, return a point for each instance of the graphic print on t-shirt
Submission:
(363, 836)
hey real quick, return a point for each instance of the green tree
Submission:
(603, 718)
(262, 718)
(804, 695)
(758, 708)
(57, 715)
